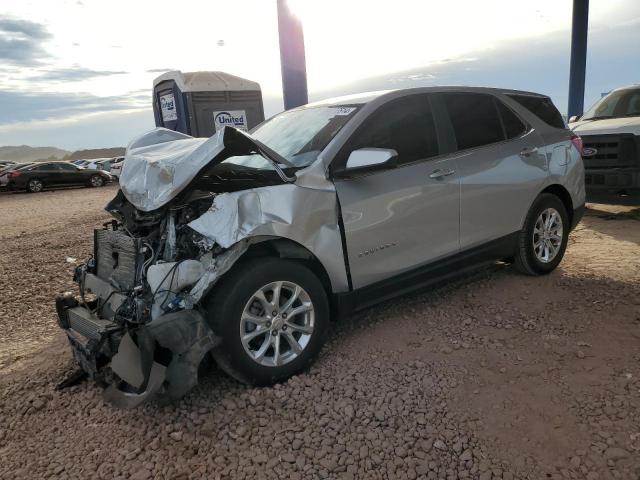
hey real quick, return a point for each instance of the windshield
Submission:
(621, 103)
(297, 135)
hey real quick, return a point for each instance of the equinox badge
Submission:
(371, 251)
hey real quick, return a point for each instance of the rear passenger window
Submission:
(513, 126)
(405, 125)
(541, 107)
(474, 118)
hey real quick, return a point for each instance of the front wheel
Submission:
(272, 315)
(543, 240)
(96, 181)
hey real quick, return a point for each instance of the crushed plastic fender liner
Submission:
(189, 337)
(186, 334)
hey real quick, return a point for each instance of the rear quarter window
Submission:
(513, 126)
(541, 107)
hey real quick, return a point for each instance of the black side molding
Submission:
(426, 276)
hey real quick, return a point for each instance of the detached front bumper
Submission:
(127, 356)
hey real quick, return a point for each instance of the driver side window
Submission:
(405, 125)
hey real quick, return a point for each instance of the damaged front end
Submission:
(137, 323)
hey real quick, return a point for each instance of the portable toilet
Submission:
(200, 103)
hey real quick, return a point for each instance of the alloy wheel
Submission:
(96, 181)
(277, 323)
(547, 235)
(35, 186)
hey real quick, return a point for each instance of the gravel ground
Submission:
(495, 376)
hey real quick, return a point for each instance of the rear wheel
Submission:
(96, 181)
(35, 185)
(543, 240)
(272, 315)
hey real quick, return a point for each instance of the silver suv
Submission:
(247, 246)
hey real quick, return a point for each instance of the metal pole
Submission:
(292, 60)
(579, 28)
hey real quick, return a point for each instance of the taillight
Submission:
(577, 142)
(14, 174)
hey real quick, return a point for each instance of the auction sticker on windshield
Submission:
(168, 107)
(230, 118)
(343, 110)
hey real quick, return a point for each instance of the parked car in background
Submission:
(4, 172)
(253, 241)
(95, 163)
(116, 166)
(80, 163)
(6, 163)
(36, 177)
(610, 131)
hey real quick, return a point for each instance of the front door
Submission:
(399, 219)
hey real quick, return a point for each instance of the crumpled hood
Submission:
(607, 126)
(161, 163)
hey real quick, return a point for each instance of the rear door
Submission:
(401, 218)
(501, 164)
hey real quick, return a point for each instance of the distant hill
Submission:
(25, 153)
(95, 153)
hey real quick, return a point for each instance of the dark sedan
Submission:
(38, 176)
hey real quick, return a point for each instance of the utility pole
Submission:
(292, 59)
(577, 72)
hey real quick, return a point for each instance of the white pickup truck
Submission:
(610, 131)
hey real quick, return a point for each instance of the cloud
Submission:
(23, 107)
(544, 68)
(95, 130)
(21, 41)
(160, 70)
(74, 74)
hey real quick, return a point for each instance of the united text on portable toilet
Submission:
(199, 103)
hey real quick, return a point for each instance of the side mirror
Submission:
(366, 160)
(573, 118)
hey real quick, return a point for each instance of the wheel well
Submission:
(285, 248)
(290, 250)
(563, 194)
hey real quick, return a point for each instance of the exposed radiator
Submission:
(116, 257)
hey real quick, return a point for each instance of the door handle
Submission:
(439, 173)
(525, 152)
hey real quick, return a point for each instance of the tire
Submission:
(35, 185)
(233, 304)
(531, 260)
(96, 181)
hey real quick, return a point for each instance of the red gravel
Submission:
(497, 376)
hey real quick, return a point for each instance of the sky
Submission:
(78, 73)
